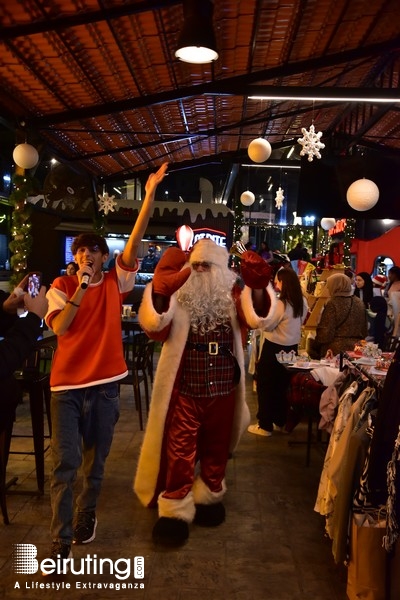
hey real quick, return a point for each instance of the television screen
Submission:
(68, 257)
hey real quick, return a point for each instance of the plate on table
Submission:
(365, 361)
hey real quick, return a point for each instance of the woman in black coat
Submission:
(364, 287)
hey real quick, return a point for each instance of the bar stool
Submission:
(7, 417)
(138, 351)
(34, 379)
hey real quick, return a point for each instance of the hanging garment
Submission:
(329, 401)
(353, 472)
(324, 502)
(386, 431)
(335, 468)
(374, 559)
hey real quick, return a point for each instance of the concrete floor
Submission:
(271, 545)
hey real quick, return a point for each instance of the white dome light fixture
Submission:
(362, 194)
(197, 43)
(247, 198)
(25, 156)
(259, 150)
(328, 223)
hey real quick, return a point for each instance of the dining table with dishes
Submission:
(370, 361)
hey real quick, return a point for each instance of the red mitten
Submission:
(256, 273)
(168, 276)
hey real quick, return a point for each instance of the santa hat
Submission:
(379, 280)
(205, 250)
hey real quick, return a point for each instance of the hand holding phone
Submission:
(37, 304)
(34, 283)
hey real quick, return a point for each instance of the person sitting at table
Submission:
(282, 333)
(343, 321)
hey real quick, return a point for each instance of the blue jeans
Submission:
(83, 423)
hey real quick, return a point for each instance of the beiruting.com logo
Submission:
(25, 563)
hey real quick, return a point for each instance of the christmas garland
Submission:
(21, 244)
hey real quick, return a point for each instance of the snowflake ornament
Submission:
(106, 203)
(279, 198)
(311, 143)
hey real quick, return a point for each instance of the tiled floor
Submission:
(272, 544)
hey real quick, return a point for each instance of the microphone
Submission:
(86, 278)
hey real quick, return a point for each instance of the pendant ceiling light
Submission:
(197, 40)
(363, 194)
(259, 150)
(328, 223)
(25, 156)
(247, 198)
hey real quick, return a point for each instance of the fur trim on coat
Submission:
(145, 484)
(183, 508)
(203, 495)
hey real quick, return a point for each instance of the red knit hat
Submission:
(379, 280)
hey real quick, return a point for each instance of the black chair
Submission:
(8, 407)
(138, 352)
(391, 343)
(33, 379)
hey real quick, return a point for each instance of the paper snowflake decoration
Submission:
(311, 143)
(279, 198)
(106, 203)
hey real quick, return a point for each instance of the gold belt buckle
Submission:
(213, 348)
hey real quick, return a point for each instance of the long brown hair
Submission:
(291, 290)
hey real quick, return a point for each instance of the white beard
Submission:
(207, 296)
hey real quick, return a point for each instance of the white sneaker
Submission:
(258, 431)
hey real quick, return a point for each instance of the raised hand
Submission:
(168, 276)
(256, 273)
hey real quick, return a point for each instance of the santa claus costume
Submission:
(198, 410)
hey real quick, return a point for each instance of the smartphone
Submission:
(34, 283)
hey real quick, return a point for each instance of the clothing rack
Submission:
(377, 382)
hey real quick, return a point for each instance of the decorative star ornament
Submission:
(279, 198)
(311, 143)
(106, 203)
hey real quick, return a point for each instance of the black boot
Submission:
(170, 532)
(210, 515)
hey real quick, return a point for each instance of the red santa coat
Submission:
(175, 324)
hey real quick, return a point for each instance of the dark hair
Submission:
(73, 263)
(89, 240)
(368, 288)
(349, 273)
(395, 270)
(291, 290)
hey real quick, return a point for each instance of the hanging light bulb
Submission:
(197, 40)
(327, 223)
(247, 198)
(259, 150)
(363, 194)
(184, 236)
(25, 156)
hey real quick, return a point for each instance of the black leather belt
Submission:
(212, 348)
